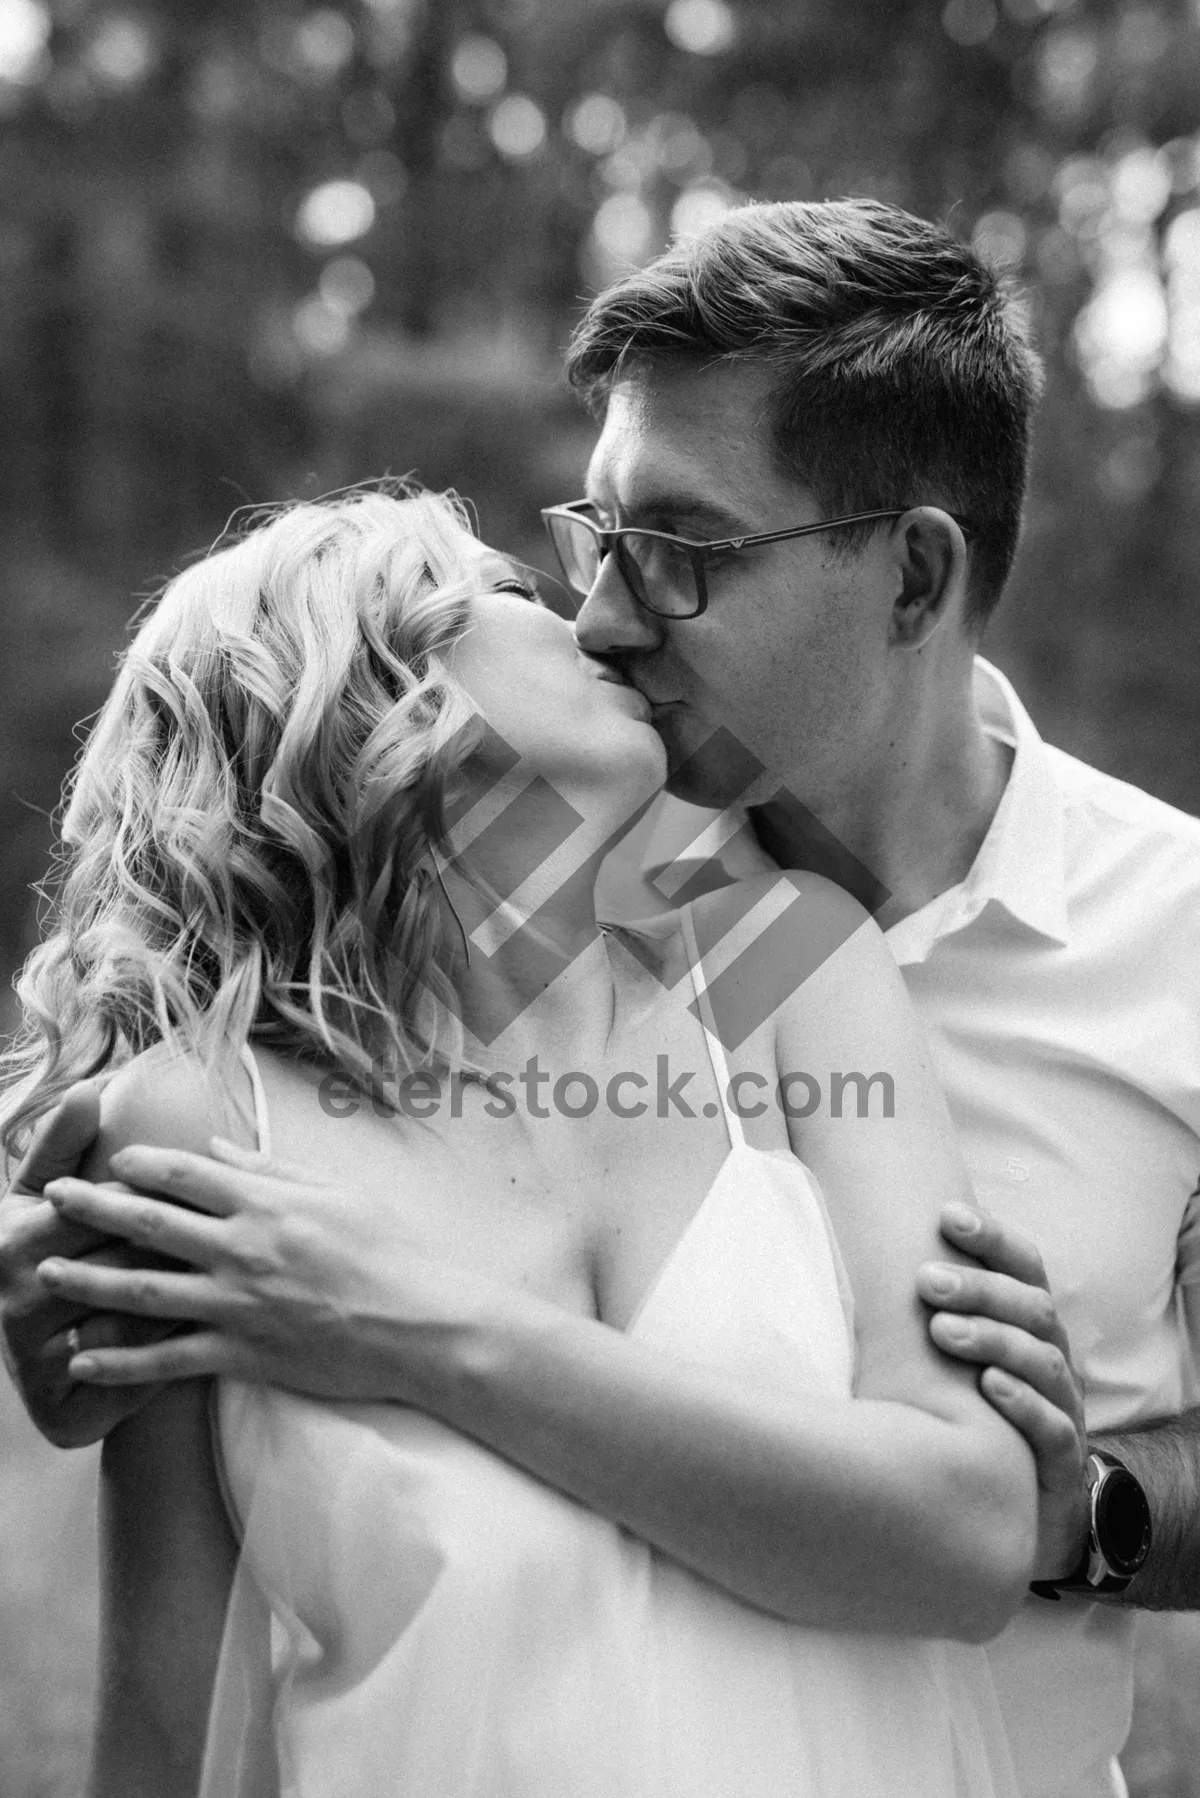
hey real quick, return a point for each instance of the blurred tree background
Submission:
(260, 248)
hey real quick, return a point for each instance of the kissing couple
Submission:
(632, 1449)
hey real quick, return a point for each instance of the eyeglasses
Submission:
(665, 574)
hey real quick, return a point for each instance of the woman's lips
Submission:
(643, 702)
(613, 678)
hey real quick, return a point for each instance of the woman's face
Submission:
(569, 718)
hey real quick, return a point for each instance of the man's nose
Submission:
(610, 619)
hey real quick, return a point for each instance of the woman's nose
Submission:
(610, 619)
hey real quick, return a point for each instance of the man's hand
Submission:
(35, 1325)
(999, 1315)
(291, 1282)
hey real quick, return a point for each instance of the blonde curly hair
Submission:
(248, 835)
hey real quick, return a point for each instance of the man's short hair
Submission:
(904, 374)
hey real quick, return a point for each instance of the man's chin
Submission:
(711, 769)
(693, 789)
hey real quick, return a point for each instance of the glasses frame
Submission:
(611, 541)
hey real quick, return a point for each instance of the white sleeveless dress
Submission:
(446, 1626)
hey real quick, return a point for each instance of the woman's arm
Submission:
(167, 1562)
(168, 1553)
(945, 1481)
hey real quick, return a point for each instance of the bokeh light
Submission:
(479, 68)
(597, 124)
(324, 42)
(969, 22)
(1066, 65)
(335, 213)
(1141, 182)
(1001, 239)
(623, 229)
(702, 27)
(678, 146)
(347, 285)
(320, 328)
(1181, 256)
(120, 51)
(1121, 334)
(698, 207)
(517, 126)
(24, 34)
(1082, 189)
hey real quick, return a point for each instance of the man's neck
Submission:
(910, 825)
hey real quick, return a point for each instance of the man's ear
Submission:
(930, 558)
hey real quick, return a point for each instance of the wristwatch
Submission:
(1118, 1538)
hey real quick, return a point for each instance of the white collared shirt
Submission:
(1060, 986)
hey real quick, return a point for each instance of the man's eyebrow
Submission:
(687, 513)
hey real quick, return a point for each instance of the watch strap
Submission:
(1092, 1576)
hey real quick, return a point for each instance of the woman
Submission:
(336, 832)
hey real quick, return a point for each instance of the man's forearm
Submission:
(1165, 1457)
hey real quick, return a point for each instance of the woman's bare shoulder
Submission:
(168, 1098)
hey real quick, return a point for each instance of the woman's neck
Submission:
(529, 970)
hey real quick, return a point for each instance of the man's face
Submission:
(789, 659)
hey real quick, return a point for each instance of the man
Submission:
(793, 366)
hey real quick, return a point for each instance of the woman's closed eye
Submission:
(525, 590)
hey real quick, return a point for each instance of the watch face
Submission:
(1122, 1522)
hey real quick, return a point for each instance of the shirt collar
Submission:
(1019, 866)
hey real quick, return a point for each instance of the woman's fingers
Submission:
(143, 1292)
(148, 1223)
(199, 1354)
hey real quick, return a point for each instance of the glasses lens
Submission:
(660, 573)
(577, 550)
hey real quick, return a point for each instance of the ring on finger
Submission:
(74, 1346)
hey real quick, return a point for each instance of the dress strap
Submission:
(716, 1051)
(262, 1122)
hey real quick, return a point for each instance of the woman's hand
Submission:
(290, 1281)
